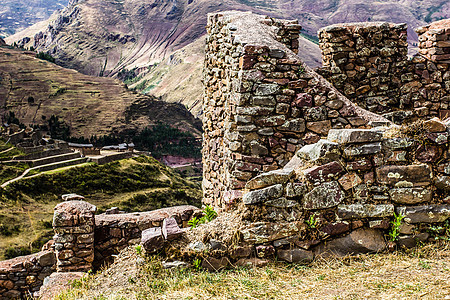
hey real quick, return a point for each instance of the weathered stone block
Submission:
(366, 149)
(443, 183)
(263, 232)
(295, 190)
(418, 175)
(349, 136)
(359, 241)
(425, 214)
(324, 172)
(270, 178)
(336, 228)
(323, 150)
(349, 181)
(326, 195)
(410, 195)
(434, 125)
(296, 255)
(170, 229)
(281, 203)
(152, 239)
(213, 264)
(264, 251)
(262, 195)
(362, 211)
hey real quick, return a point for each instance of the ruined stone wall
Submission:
(339, 196)
(23, 276)
(368, 63)
(114, 232)
(365, 62)
(261, 103)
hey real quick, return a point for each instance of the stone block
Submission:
(170, 229)
(265, 251)
(326, 195)
(434, 125)
(435, 213)
(262, 195)
(323, 151)
(336, 228)
(362, 211)
(350, 136)
(152, 239)
(363, 164)
(410, 195)
(365, 149)
(295, 189)
(359, 241)
(281, 203)
(213, 264)
(324, 172)
(349, 181)
(296, 255)
(268, 179)
(264, 232)
(418, 175)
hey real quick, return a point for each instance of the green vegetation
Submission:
(311, 38)
(440, 231)
(209, 214)
(45, 56)
(394, 232)
(136, 184)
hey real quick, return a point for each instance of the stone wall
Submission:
(339, 195)
(114, 232)
(368, 63)
(261, 102)
(365, 62)
(23, 276)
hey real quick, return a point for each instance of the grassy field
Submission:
(136, 184)
(421, 273)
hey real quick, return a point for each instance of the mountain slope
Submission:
(16, 15)
(35, 89)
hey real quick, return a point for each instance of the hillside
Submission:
(16, 15)
(137, 184)
(35, 89)
(135, 40)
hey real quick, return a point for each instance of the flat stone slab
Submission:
(351, 136)
(324, 172)
(263, 195)
(424, 213)
(144, 220)
(326, 195)
(410, 195)
(418, 175)
(362, 211)
(57, 283)
(364, 149)
(269, 178)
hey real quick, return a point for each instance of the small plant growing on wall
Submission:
(395, 227)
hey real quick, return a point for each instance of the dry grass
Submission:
(422, 273)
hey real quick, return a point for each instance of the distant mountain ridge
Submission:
(16, 15)
(136, 40)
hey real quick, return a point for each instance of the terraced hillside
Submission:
(36, 89)
(136, 184)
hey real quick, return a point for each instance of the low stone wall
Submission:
(101, 160)
(114, 232)
(340, 195)
(23, 276)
